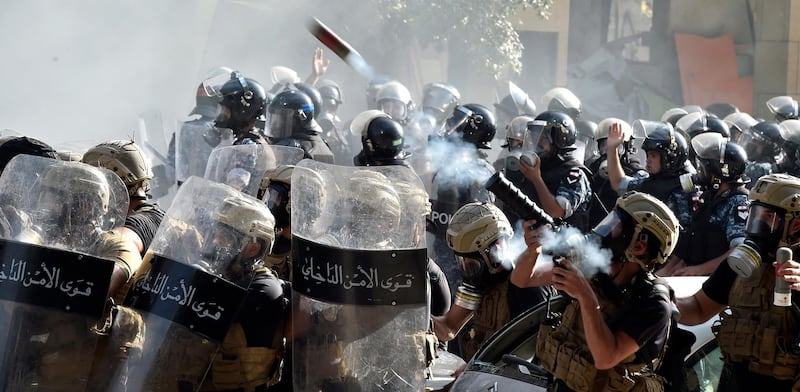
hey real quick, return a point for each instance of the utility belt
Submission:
(757, 339)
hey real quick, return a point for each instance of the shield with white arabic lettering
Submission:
(243, 166)
(55, 269)
(360, 291)
(186, 294)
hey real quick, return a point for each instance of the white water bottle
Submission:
(783, 293)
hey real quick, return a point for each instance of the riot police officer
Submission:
(513, 104)
(762, 142)
(665, 164)
(480, 236)
(291, 123)
(604, 196)
(556, 180)
(438, 101)
(757, 337)
(382, 140)
(125, 158)
(613, 329)
(394, 99)
(718, 224)
(330, 122)
(242, 104)
(460, 170)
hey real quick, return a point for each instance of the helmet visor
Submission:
(438, 99)
(764, 221)
(709, 146)
(783, 105)
(457, 120)
(281, 123)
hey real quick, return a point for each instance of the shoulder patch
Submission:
(742, 212)
(573, 176)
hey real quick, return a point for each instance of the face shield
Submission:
(436, 101)
(784, 107)
(394, 108)
(459, 118)
(282, 122)
(764, 222)
(538, 139)
(764, 230)
(613, 234)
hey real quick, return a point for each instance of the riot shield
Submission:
(54, 277)
(185, 296)
(194, 142)
(360, 290)
(243, 166)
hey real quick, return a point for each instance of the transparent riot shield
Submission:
(54, 276)
(194, 142)
(360, 290)
(185, 296)
(243, 166)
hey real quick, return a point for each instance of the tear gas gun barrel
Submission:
(513, 198)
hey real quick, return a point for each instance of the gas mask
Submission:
(279, 204)
(763, 232)
(220, 249)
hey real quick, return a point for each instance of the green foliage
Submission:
(485, 28)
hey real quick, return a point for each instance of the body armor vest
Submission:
(707, 240)
(661, 187)
(491, 314)
(755, 331)
(239, 367)
(563, 352)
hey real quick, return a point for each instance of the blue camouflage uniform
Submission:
(718, 225)
(680, 202)
(755, 170)
(570, 184)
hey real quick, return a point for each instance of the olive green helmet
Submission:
(249, 217)
(652, 215)
(476, 226)
(125, 159)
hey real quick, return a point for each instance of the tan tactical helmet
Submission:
(248, 217)
(79, 189)
(652, 215)
(779, 190)
(373, 194)
(282, 173)
(476, 226)
(125, 159)
(782, 191)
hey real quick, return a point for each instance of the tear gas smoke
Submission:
(581, 250)
(456, 163)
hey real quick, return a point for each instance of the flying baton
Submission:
(341, 48)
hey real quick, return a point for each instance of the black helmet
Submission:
(670, 145)
(290, 111)
(245, 100)
(557, 128)
(696, 123)
(313, 93)
(719, 160)
(382, 142)
(474, 122)
(763, 141)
